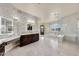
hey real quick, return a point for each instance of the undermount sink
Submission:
(1, 42)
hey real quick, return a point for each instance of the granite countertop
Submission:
(14, 37)
(29, 33)
(1, 42)
(8, 39)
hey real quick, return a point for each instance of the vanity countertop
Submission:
(30, 33)
(1, 42)
(14, 37)
(8, 39)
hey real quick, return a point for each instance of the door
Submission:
(42, 29)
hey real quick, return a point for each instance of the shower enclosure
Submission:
(70, 27)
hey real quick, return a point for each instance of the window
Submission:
(56, 27)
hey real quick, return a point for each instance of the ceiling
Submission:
(46, 11)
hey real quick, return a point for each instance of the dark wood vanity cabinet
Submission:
(27, 39)
(2, 49)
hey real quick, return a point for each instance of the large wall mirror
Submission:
(29, 27)
(30, 24)
(6, 26)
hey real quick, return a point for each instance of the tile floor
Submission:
(46, 47)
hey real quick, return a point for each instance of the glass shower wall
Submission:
(70, 27)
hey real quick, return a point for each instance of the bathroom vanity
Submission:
(2, 49)
(7, 44)
(29, 38)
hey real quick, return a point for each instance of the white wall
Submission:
(7, 10)
(69, 28)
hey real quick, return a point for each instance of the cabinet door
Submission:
(35, 38)
(24, 40)
(2, 50)
(27, 39)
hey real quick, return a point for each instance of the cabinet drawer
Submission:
(2, 49)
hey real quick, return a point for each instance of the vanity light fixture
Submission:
(16, 18)
(30, 21)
